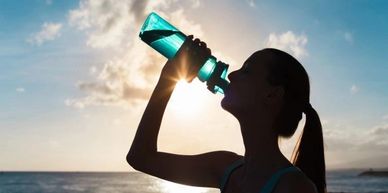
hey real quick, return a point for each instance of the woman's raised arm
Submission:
(197, 170)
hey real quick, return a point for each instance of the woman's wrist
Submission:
(166, 83)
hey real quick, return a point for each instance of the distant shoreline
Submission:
(358, 169)
(374, 173)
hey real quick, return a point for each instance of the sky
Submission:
(75, 78)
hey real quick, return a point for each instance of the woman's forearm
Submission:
(145, 141)
(184, 65)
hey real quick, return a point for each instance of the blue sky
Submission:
(75, 78)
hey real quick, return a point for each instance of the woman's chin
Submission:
(225, 104)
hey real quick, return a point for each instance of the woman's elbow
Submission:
(138, 156)
(137, 161)
(133, 160)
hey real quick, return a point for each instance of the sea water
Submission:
(135, 182)
(349, 181)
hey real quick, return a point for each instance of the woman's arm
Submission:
(197, 170)
(145, 141)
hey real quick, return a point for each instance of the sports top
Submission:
(268, 187)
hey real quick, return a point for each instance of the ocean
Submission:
(135, 182)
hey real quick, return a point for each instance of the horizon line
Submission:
(131, 171)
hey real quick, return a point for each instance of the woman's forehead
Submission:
(257, 60)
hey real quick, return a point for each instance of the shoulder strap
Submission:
(228, 171)
(270, 185)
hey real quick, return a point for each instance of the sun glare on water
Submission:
(169, 187)
(188, 98)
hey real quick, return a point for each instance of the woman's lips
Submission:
(227, 90)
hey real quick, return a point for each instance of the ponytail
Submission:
(308, 154)
(284, 70)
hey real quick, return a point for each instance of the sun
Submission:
(187, 98)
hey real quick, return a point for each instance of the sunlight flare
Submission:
(188, 98)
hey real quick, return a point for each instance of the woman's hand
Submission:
(187, 62)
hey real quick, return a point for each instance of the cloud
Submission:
(251, 3)
(381, 131)
(106, 23)
(349, 146)
(354, 89)
(338, 140)
(20, 89)
(93, 70)
(130, 72)
(385, 117)
(376, 139)
(348, 37)
(365, 140)
(113, 86)
(100, 94)
(179, 19)
(195, 3)
(289, 42)
(138, 7)
(49, 31)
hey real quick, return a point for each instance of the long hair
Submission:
(308, 155)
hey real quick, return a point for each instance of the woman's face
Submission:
(248, 86)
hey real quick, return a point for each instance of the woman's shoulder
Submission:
(222, 160)
(295, 182)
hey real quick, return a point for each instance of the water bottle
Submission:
(166, 39)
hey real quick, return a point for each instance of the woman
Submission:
(268, 96)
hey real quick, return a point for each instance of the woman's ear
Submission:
(275, 95)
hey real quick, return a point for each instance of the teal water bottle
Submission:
(166, 39)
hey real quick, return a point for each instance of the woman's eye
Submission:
(244, 70)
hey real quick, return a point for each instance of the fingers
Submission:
(208, 51)
(199, 43)
(196, 43)
(200, 47)
(199, 52)
(195, 52)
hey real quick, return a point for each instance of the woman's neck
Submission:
(262, 153)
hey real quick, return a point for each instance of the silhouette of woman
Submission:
(268, 96)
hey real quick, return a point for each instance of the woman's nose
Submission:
(231, 75)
